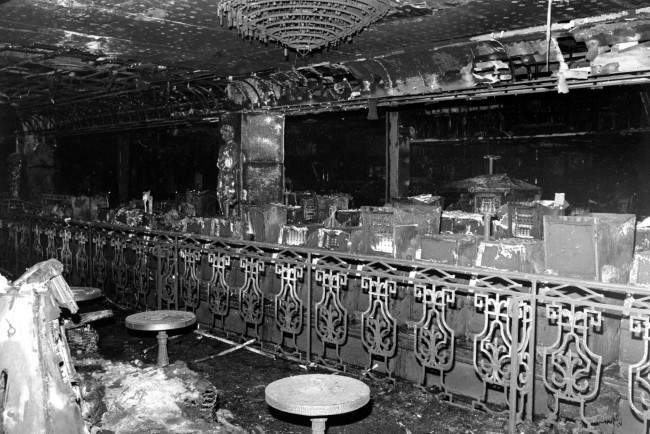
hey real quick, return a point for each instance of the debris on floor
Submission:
(138, 399)
(228, 396)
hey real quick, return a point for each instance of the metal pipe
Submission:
(548, 33)
(514, 362)
(531, 350)
(309, 297)
(229, 342)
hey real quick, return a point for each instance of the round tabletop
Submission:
(85, 293)
(160, 320)
(317, 394)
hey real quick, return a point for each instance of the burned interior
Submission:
(375, 216)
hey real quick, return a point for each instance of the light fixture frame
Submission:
(301, 25)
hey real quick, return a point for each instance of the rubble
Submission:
(161, 400)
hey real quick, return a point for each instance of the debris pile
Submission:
(172, 399)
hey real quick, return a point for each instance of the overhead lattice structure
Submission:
(303, 25)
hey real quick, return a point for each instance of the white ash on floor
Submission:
(138, 399)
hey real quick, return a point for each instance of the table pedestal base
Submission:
(318, 425)
(163, 360)
(160, 321)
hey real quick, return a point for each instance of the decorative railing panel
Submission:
(81, 260)
(639, 373)
(189, 280)
(23, 245)
(331, 316)
(434, 340)
(288, 306)
(483, 338)
(141, 276)
(378, 326)
(251, 299)
(571, 369)
(167, 278)
(119, 269)
(217, 288)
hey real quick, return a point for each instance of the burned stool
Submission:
(83, 339)
(160, 321)
(317, 396)
(85, 293)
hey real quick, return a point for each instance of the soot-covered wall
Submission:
(8, 125)
(337, 152)
(165, 161)
(608, 174)
(592, 145)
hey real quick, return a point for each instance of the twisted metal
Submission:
(302, 25)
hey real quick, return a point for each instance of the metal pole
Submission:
(16, 266)
(176, 242)
(159, 280)
(309, 296)
(387, 159)
(89, 250)
(548, 33)
(531, 352)
(514, 362)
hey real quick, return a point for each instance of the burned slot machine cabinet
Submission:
(41, 392)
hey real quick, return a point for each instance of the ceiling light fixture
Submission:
(302, 25)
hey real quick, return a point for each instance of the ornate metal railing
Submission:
(498, 341)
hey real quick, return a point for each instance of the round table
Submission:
(317, 396)
(160, 321)
(85, 293)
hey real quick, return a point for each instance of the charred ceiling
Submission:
(188, 34)
(92, 63)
